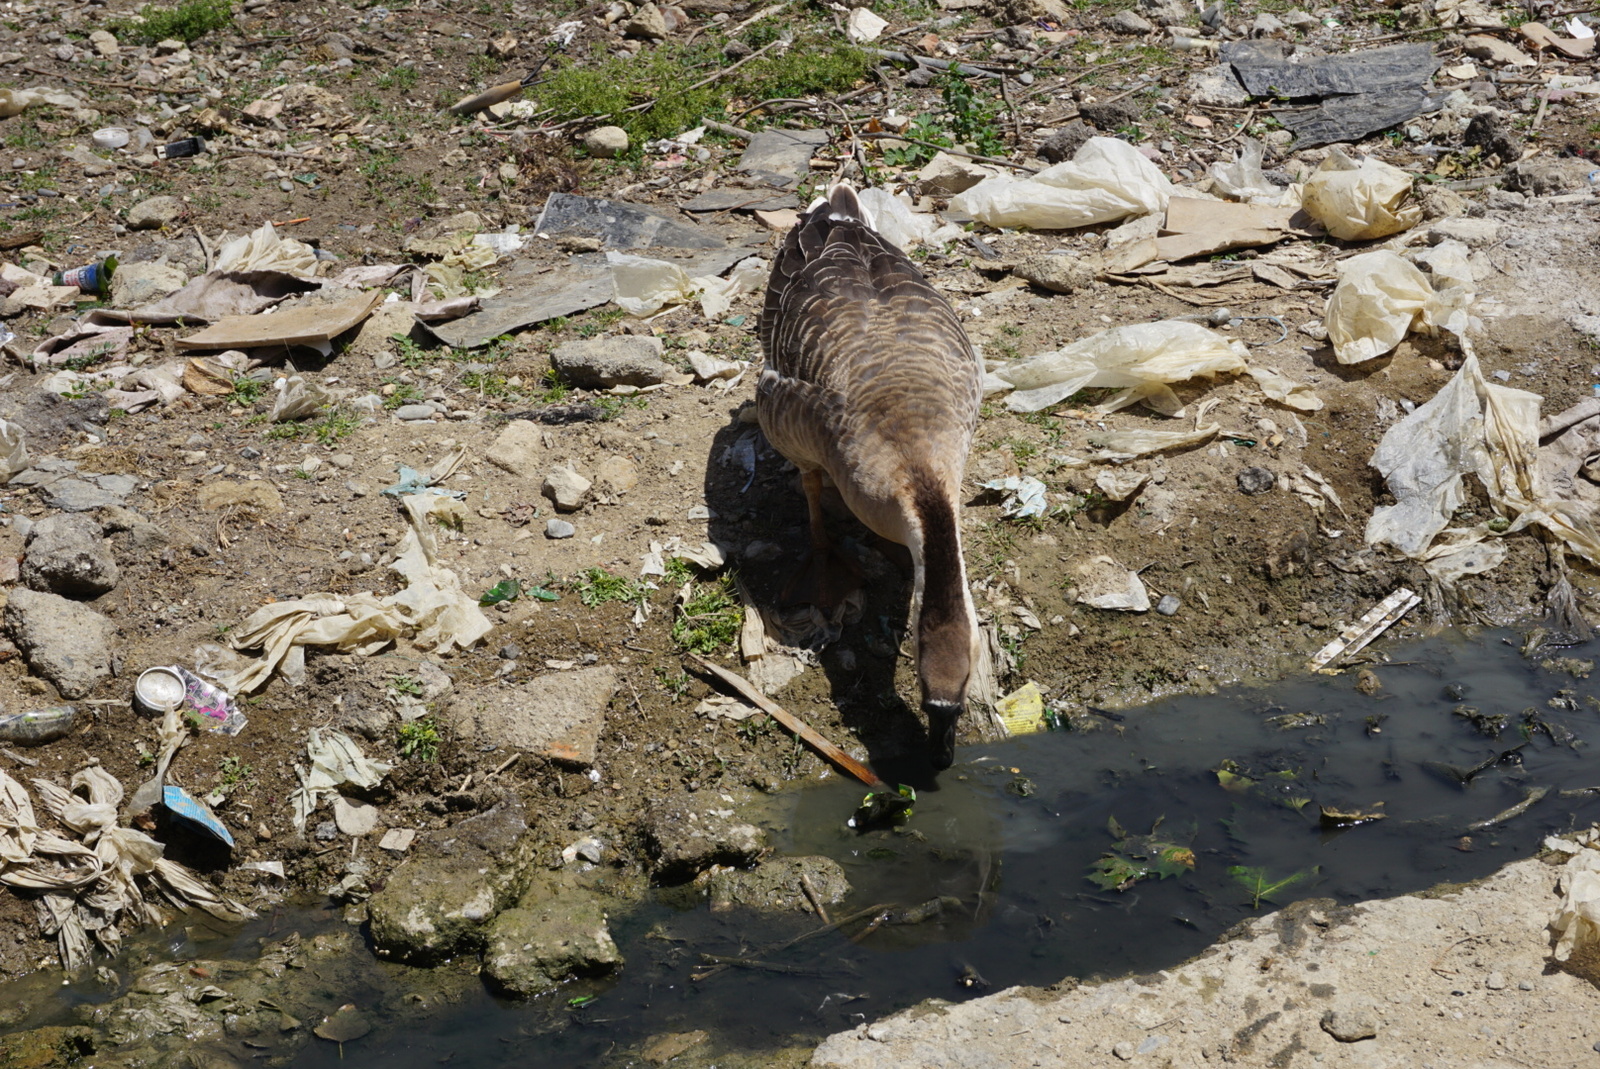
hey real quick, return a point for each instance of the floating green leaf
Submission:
(1263, 887)
(1138, 857)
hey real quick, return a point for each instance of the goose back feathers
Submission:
(869, 376)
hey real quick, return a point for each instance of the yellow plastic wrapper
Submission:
(1382, 297)
(1357, 202)
(1107, 180)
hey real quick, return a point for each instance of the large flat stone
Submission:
(441, 901)
(66, 643)
(558, 716)
(75, 495)
(552, 935)
(519, 449)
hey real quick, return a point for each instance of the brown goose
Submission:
(871, 384)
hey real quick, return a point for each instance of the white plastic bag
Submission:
(297, 398)
(264, 250)
(1107, 180)
(1141, 359)
(1356, 202)
(13, 451)
(1284, 390)
(1381, 297)
(643, 286)
(1242, 179)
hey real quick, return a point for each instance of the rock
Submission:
(1471, 232)
(518, 449)
(1254, 481)
(1111, 115)
(105, 43)
(687, 834)
(1588, 326)
(1063, 144)
(605, 142)
(439, 902)
(1130, 22)
(558, 529)
(1303, 21)
(1546, 175)
(1059, 273)
(66, 554)
(1495, 981)
(1493, 132)
(258, 494)
(552, 935)
(1102, 583)
(74, 495)
(566, 488)
(414, 413)
(648, 23)
(1216, 87)
(142, 283)
(601, 363)
(67, 643)
(1169, 605)
(617, 475)
(1125, 1050)
(1015, 12)
(659, 1050)
(558, 716)
(154, 213)
(774, 885)
(945, 176)
(1167, 12)
(1350, 1025)
(1266, 25)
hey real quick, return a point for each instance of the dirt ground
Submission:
(1262, 580)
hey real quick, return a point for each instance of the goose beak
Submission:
(942, 717)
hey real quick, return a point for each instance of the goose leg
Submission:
(826, 577)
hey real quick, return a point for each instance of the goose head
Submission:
(946, 656)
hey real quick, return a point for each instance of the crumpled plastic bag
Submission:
(14, 457)
(1107, 180)
(15, 101)
(1141, 359)
(1284, 390)
(1102, 583)
(263, 250)
(1242, 179)
(1025, 495)
(1381, 297)
(431, 609)
(1577, 920)
(891, 216)
(1116, 447)
(336, 761)
(1356, 202)
(643, 286)
(298, 398)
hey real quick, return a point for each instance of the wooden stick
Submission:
(797, 940)
(793, 723)
(765, 966)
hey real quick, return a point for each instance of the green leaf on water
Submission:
(1139, 857)
(1263, 887)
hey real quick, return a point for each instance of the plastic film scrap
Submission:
(1107, 180)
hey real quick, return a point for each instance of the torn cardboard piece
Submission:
(1196, 227)
(311, 325)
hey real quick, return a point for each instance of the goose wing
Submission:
(866, 363)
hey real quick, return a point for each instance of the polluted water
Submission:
(1125, 843)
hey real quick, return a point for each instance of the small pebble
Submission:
(1125, 1050)
(1254, 481)
(699, 512)
(1349, 1026)
(327, 831)
(1524, 985)
(1169, 605)
(250, 452)
(510, 651)
(413, 413)
(286, 185)
(559, 529)
(1495, 981)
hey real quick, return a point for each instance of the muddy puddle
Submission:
(989, 885)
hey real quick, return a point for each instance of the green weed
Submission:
(710, 619)
(598, 586)
(187, 22)
(406, 685)
(420, 739)
(401, 78)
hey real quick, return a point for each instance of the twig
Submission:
(30, 762)
(814, 898)
(1544, 104)
(954, 152)
(725, 128)
(725, 71)
(793, 723)
(1016, 120)
(1533, 796)
(877, 922)
(940, 64)
(770, 9)
(803, 937)
(503, 765)
(764, 966)
(275, 153)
